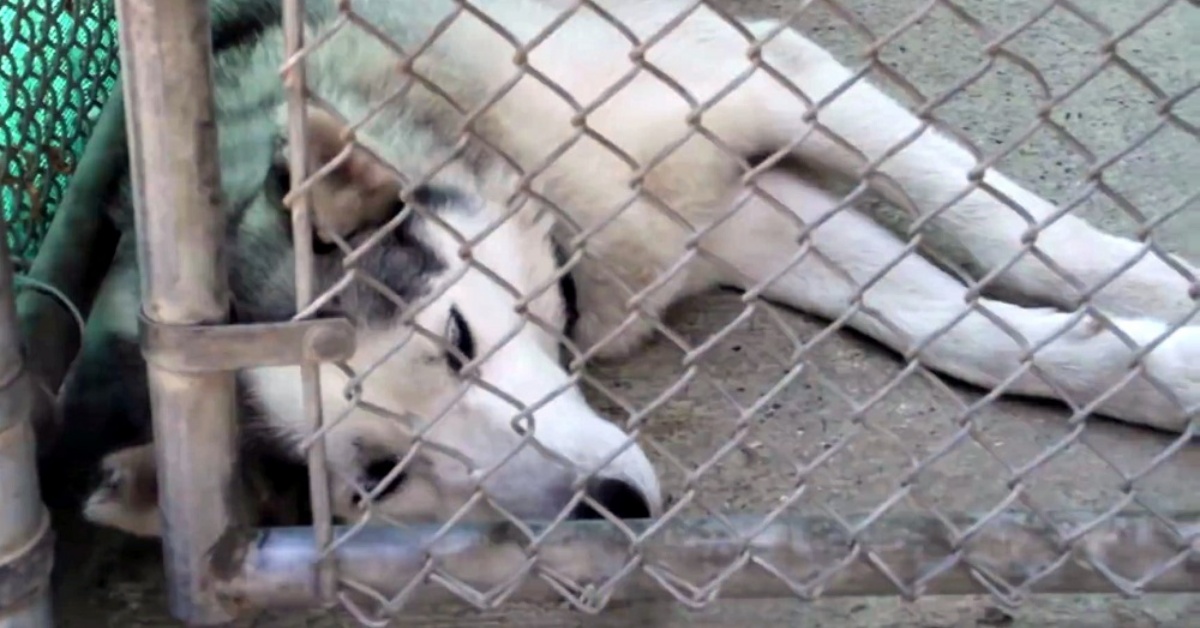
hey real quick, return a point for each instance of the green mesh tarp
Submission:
(58, 63)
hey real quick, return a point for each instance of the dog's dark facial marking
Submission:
(437, 196)
(402, 263)
(239, 23)
(278, 182)
(570, 295)
(458, 334)
(374, 473)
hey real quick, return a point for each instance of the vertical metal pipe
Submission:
(25, 537)
(31, 612)
(170, 120)
(294, 82)
(74, 258)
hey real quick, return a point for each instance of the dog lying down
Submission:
(500, 314)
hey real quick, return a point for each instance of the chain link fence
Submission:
(57, 67)
(896, 482)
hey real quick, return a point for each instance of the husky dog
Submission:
(655, 180)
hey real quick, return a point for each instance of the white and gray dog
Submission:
(629, 173)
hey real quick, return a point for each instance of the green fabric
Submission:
(58, 63)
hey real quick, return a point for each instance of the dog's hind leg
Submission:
(933, 171)
(919, 304)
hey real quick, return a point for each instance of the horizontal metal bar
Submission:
(275, 568)
(209, 348)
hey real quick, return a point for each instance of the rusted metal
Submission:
(26, 541)
(166, 58)
(298, 161)
(27, 570)
(208, 348)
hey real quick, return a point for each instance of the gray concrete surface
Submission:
(111, 588)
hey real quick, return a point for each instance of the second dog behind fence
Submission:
(446, 245)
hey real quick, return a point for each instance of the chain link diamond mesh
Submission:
(859, 423)
(58, 65)
(822, 437)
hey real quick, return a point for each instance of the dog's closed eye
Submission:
(278, 183)
(462, 343)
(375, 473)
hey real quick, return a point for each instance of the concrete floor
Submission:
(806, 416)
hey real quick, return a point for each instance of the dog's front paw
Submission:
(1168, 387)
(125, 495)
(1175, 363)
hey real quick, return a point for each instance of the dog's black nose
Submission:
(618, 497)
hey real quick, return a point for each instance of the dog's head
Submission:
(456, 381)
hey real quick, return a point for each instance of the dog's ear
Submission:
(359, 192)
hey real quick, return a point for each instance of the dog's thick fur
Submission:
(670, 198)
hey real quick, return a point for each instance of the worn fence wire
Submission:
(1060, 535)
(1037, 540)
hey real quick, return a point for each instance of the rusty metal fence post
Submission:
(26, 540)
(170, 119)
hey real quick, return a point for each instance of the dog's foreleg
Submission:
(935, 172)
(126, 497)
(915, 301)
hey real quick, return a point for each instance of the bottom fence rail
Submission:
(695, 561)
